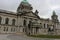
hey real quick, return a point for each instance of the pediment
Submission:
(30, 15)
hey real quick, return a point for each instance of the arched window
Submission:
(47, 26)
(44, 25)
(0, 19)
(29, 24)
(13, 22)
(24, 23)
(6, 21)
(40, 25)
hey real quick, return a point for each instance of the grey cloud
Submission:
(43, 6)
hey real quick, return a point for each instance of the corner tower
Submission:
(55, 17)
(24, 7)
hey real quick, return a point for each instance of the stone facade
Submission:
(26, 21)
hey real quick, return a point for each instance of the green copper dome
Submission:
(24, 6)
(25, 1)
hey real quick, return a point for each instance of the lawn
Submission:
(46, 36)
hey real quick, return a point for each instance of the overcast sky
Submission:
(45, 7)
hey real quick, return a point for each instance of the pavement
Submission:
(20, 37)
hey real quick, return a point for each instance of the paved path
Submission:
(20, 37)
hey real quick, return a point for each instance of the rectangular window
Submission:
(47, 26)
(12, 29)
(4, 28)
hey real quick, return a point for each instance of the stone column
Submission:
(46, 25)
(33, 31)
(56, 28)
(38, 30)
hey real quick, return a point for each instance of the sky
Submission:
(45, 7)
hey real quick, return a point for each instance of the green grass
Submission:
(46, 36)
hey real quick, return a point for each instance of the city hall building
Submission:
(25, 21)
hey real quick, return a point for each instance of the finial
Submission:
(36, 11)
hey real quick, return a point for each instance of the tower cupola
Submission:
(54, 17)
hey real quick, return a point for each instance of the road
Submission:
(20, 37)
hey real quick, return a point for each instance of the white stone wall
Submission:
(58, 29)
(20, 26)
(43, 31)
(9, 25)
(10, 19)
(9, 29)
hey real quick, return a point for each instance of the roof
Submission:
(7, 12)
(14, 13)
(47, 19)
